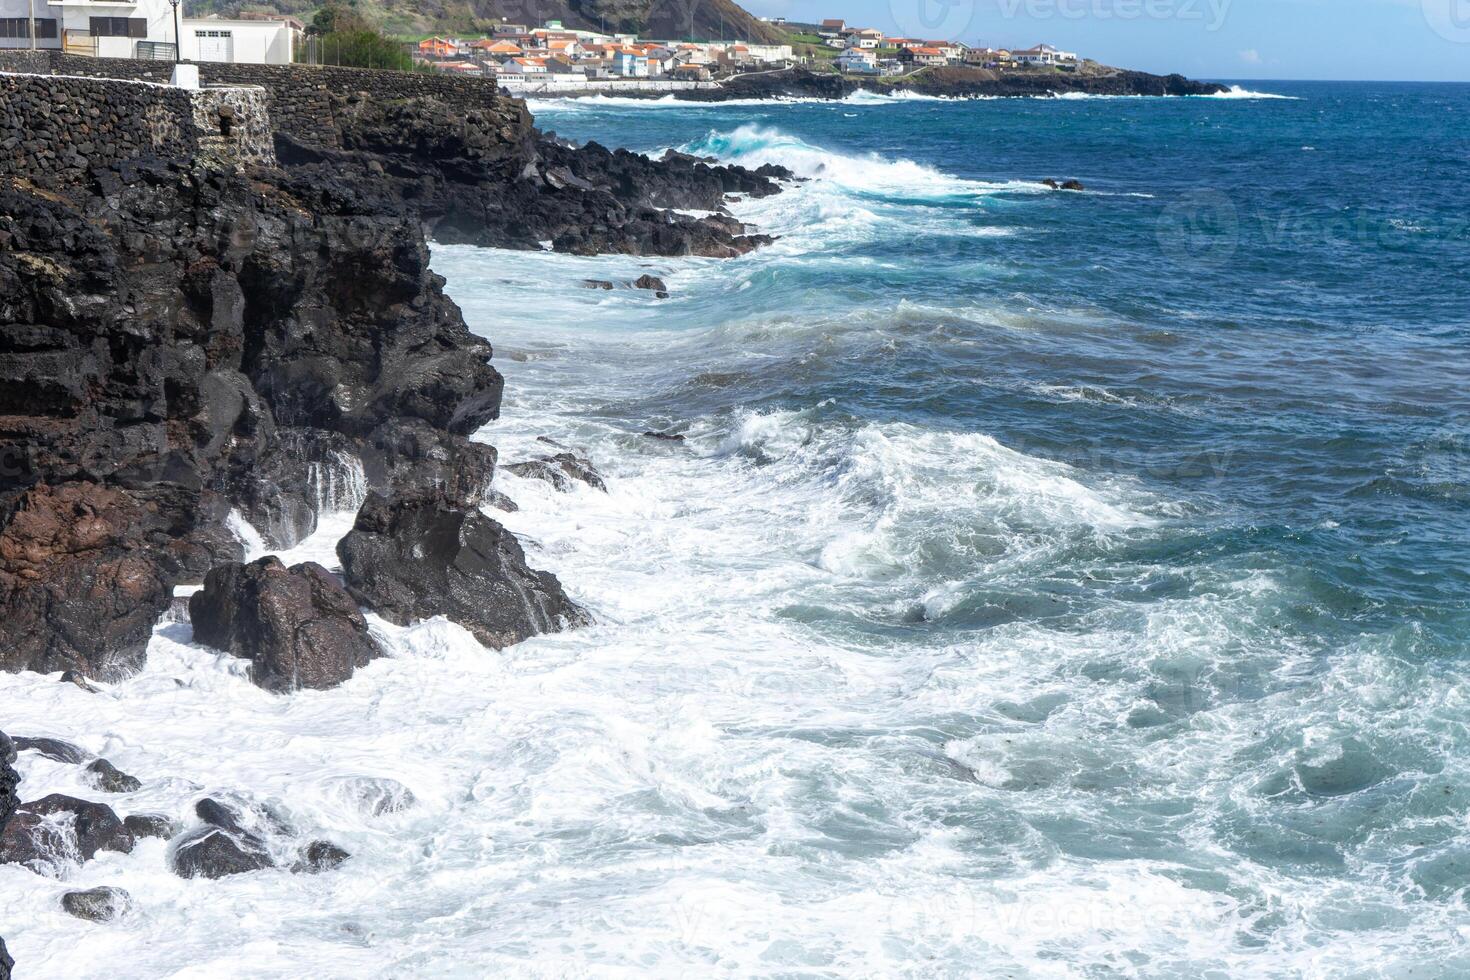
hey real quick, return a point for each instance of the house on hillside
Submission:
(1044, 54)
(922, 57)
(691, 73)
(988, 57)
(856, 61)
(832, 28)
(497, 49)
(952, 50)
(866, 38)
(438, 47)
(630, 64)
(772, 54)
(523, 66)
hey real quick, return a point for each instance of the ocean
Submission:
(1048, 584)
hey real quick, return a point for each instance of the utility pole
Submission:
(32, 6)
(178, 41)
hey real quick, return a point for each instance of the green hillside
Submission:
(706, 20)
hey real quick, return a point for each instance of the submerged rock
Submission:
(596, 284)
(651, 282)
(144, 825)
(297, 626)
(212, 852)
(97, 904)
(420, 556)
(377, 795)
(54, 749)
(665, 436)
(320, 856)
(561, 469)
(76, 679)
(108, 778)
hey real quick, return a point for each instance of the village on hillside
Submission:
(554, 56)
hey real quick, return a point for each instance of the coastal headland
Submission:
(946, 82)
(217, 323)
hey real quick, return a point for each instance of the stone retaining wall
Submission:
(303, 100)
(61, 125)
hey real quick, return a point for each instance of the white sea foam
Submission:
(1237, 92)
(752, 145)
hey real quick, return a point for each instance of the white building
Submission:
(856, 61)
(142, 29)
(771, 54)
(630, 64)
(255, 42)
(106, 30)
(523, 66)
(1043, 54)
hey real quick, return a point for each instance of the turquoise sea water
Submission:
(1149, 504)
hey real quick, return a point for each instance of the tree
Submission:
(363, 49)
(337, 18)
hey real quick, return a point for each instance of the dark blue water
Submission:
(1262, 302)
(1099, 553)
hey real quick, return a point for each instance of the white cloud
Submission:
(1251, 56)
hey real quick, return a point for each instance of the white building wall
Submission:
(22, 8)
(252, 42)
(77, 18)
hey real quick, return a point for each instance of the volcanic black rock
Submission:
(420, 556)
(178, 341)
(561, 470)
(77, 680)
(97, 904)
(9, 779)
(320, 856)
(296, 625)
(108, 778)
(48, 834)
(144, 825)
(214, 853)
(954, 82)
(53, 748)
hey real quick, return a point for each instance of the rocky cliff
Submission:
(180, 342)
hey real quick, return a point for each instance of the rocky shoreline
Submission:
(955, 83)
(185, 344)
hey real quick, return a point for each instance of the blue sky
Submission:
(1337, 39)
